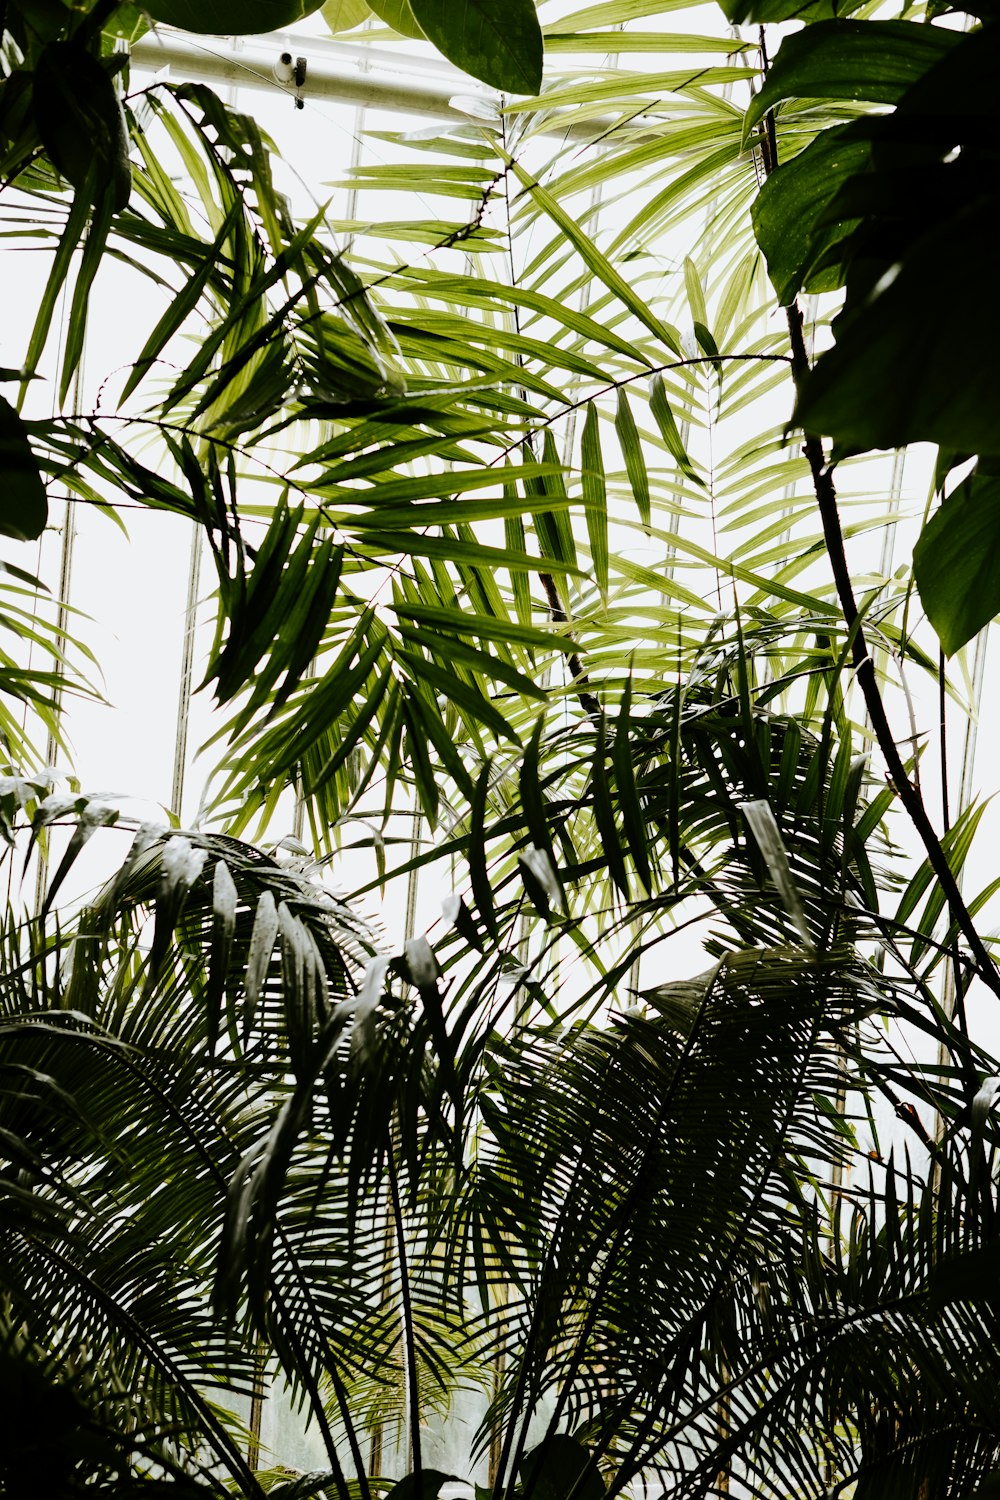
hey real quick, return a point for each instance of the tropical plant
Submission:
(518, 569)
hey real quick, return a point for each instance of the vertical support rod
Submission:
(187, 671)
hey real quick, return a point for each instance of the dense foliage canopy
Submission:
(541, 539)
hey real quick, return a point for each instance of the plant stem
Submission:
(864, 667)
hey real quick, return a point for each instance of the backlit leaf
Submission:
(344, 15)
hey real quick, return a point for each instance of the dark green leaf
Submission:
(81, 122)
(428, 1488)
(24, 507)
(230, 17)
(455, 911)
(93, 815)
(706, 342)
(764, 11)
(91, 260)
(628, 798)
(499, 41)
(876, 61)
(560, 1465)
(180, 306)
(479, 874)
(398, 15)
(968, 1277)
(790, 211)
(956, 561)
(604, 817)
(896, 374)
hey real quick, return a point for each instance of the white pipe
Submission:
(347, 72)
(350, 73)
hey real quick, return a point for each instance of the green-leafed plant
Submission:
(517, 567)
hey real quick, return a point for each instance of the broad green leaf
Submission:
(895, 375)
(956, 561)
(399, 15)
(499, 41)
(790, 217)
(24, 508)
(559, 1467)
(344, 15)
(428, 1487)
(766, 11)
(875, 61)
(127, 23)
(230, 17)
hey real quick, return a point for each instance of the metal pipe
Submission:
(352, 73)
(335, 70)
